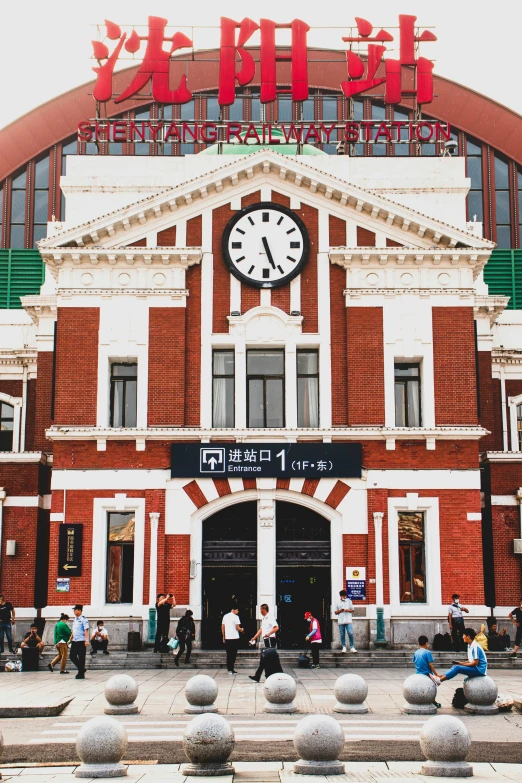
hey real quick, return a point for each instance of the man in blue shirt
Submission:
(475, 666)
(423, 660)
(79, 640)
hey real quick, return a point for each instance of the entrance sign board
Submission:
(266, 460)
(241, 65)
(356, 583)
(70, 550)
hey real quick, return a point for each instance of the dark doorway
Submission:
(303, 579)
(229, 571)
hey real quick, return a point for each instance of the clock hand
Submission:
(268, 253)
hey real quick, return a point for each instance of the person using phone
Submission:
(230, 630)
(456, 621)
(164, 603)
(475, 666)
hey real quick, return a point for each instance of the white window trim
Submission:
(513, 402)
(123, 360)
(101, 507)
(16, 403)
(430, 507)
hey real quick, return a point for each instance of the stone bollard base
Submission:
(303, 767)
(209, 769)
(121, 709)
(419, 709)
(193, 709)
(481, 709)
(280, 708)
(447, 769)
(116, 770)
(351, 709)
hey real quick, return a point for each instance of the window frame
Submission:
(299, 375)
(118, 545)
(124, 380)
(217, 376)
(404, 381)
(410, 545)
(514, 437)
(264, 379)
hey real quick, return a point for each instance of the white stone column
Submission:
(153, 563)
(266, 544)
(379, 583)
(291, 384)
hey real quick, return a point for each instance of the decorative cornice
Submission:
(356, 293)
(502, 456)
(473, 257)
(490, 306)
(264, 162)
(197, 434)
(506, 357)
(38, 306)
(107, 293)
(25, 457)
(181, 257)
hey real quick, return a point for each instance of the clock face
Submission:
(265, 245)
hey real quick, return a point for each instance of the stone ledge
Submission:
(35, 711)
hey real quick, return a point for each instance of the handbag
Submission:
(173, 643)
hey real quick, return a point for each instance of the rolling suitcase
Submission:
(271, 662)
(133, 641)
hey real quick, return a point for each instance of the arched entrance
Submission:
(301, 577)
(229, 555)
(303, 572)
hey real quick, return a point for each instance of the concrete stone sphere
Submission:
(101, 741)
(319, 738)
(350, 689)
(445, 738)
(419, 689)
(482, 691)
(201, 690)
(280, 688)
(208, 739)
(121, 689)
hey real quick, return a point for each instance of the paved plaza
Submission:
(161, 691)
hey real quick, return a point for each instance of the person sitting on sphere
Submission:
(475, 666)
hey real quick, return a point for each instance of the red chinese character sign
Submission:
(238, 66)
(363, 75)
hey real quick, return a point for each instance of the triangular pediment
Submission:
(244, 174)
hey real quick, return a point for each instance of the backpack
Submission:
(303, 662)
(438, 642)
(459, 701)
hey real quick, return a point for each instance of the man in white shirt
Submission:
(344, 610)
(268, 631)
(456, 622)
(230, 630)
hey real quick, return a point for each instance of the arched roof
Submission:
(57, 120)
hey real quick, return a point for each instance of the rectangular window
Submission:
(124, 387)
(412, 567)
(266, 388)
(41, 199)
(18, 209)
(474, 172)
(307, 388)
(223, 363)
(120, 558)
(503, 214)
(407, 395)
(6, 426)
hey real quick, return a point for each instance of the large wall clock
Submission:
(265, 245)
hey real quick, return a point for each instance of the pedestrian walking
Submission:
(100, 639)
(315, 638)
(344, 611)
(185, 633)
(7, 618)
(62, 634)
(516, 617)
(268, 663)
(475, 666)
(79, 640)
(164, 603)
(456, 622)
(230, 630)
(423, 660)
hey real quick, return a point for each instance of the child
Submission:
(423, 660)
(475, 666)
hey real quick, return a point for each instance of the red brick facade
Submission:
(167, 353)
(76, 365)
(365, 360)
(454, 365)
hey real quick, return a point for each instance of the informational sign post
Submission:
(70, 550)
(266, 460)
(63, 585)
(356, 583)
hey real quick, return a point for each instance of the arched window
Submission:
(6, 427)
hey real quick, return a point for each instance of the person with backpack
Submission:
(475, 666)
(314, 637)
(185, 633)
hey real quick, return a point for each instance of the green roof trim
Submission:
(503, 275)
(22, 273)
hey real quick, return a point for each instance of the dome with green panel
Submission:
(250, 145)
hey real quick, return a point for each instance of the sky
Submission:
(45, 47)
